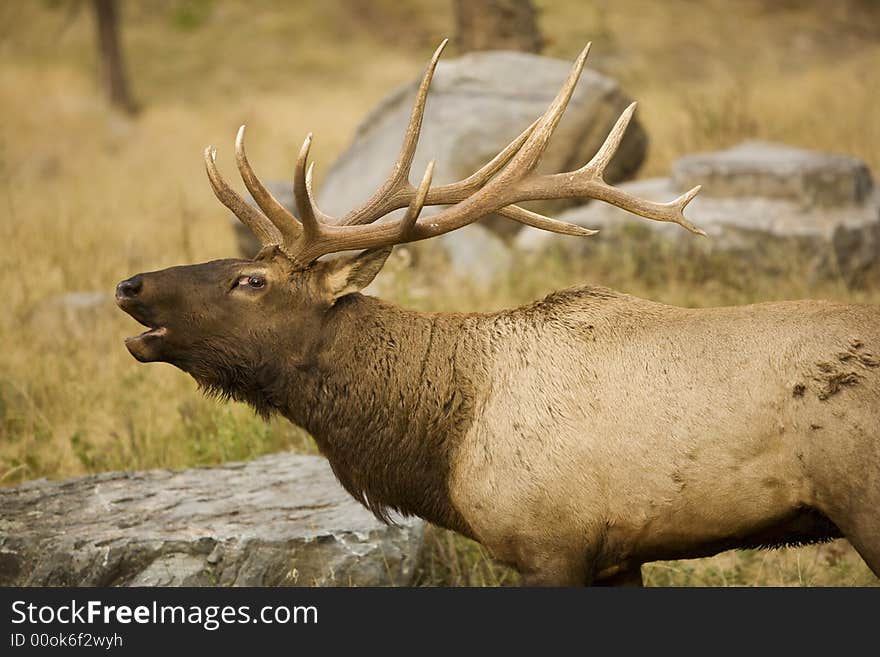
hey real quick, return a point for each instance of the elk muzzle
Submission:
(145, 347)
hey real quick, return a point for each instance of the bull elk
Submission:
(576, 438)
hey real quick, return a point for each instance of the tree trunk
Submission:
(496, 25)
(110, 54)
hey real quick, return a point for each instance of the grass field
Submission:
(90, 196)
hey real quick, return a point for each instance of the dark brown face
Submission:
(225, 320)
(228, 306)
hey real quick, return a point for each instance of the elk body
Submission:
(576, 438)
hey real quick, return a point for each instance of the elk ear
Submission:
(349, 274)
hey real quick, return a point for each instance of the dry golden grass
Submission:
(90, 197)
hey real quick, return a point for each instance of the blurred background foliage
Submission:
(92, 193)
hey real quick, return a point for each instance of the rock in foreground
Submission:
(280, 520)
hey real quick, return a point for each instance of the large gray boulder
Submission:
(761, 202)
(478, 103)
(280, 520)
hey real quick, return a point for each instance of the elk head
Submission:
(227, 319)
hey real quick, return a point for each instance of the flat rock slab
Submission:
(280, 520)
(776, 171)
(766, 204)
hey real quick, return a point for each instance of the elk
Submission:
(576, 438)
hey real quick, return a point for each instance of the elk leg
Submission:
(557, 570)
(870, 553)
(860, 525)
(864, 536)
(631, 575)
(550, 577)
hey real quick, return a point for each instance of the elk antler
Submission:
(507, 179)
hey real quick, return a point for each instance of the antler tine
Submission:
(528, 156)
(301, 192)
(398, 180)
(322, 217)
(680, 204)
(401, 168)
(536, 220)
(596, 166)
(264, 229)
(418, 202)
(288, 225)
(588, 182)
(309, 172)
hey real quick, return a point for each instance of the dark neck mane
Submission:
(385, 401)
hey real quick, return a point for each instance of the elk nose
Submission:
(130, 287)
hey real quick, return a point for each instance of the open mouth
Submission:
(149, 345)
(152, 332)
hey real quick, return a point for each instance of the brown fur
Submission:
(577, 437)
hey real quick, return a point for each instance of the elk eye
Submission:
(252, 281)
